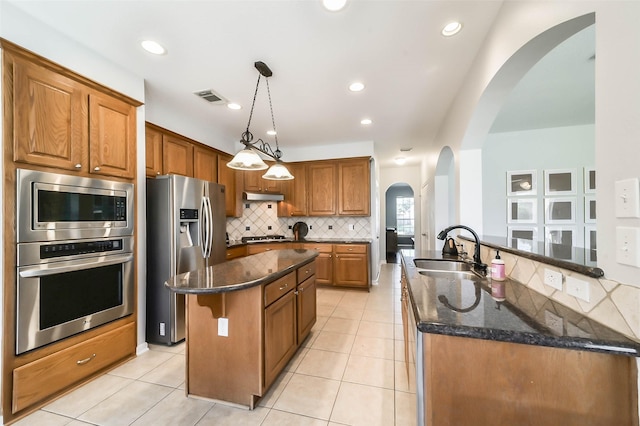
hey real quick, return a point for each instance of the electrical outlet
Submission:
(628, 245)
(162, 329)
(352, 227)
(553, 278)
(223, 327)
(578, 288)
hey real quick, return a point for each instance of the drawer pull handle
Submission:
(284, 286)
(86, 360)
(350, 249)
(97, 168)
(78, 166)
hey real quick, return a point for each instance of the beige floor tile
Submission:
(44, 418)
(329, 365)
(325, 310)
(348, 313)
(170, 373)
(281, 418)
(376, 315)
(336, 342)
(376, 329)
(308, 396)
(363, 405)
(142, 364)
(329, 296)
(82, 399)
(370, 371)
(127, 405)
(374, 347)
(340, 325)
(77, 423)
(175, 409)
(275, 390)
(406, 411)
(178, 348)
(295, 360)
(224, 415)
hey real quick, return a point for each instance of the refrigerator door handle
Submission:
(208, 228)
(203, 228)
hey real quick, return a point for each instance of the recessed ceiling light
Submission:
(334, 5)
(233, 106)
(356, 86)
(400, 160)
(451, 28)
(366, 121)
(153, 47)
(271, 132)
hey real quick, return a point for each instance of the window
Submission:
(404, 215)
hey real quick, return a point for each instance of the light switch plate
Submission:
(578, 288)
(627, 198)
(627, 245)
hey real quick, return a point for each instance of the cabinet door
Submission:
(306, 304)
(232, 180)
(295, 198)
(279, 336)
(112, 136)
(354, 198)
(177, 156)
(48, 118)
(153, 151)
(351, 267)
(253, 182)
(205, 164)
(321, 189)
(324, 262)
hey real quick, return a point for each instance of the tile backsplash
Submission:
(610, 303)
(261, 218)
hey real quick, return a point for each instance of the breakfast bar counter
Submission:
(245, 319)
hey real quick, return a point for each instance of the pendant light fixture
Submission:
(249, 157)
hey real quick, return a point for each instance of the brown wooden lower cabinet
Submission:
(266, 325)
(483, 382)
(344, 265)
(47, 376)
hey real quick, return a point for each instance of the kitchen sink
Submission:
(442, 265)
(451, 276)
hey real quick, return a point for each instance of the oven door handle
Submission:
(45, 270)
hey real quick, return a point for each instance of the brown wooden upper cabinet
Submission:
(233, 181)
(322, 188)
(205, 164)
(153, 150)
(253, 182)
(177, 156)
(295, 192)
(61, 122)
(354, 193)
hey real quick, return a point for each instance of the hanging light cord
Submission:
(247, 136)
(278, 153)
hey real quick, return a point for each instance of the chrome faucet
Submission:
(477, 263)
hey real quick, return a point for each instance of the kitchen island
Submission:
(500, 353)
(245, 319)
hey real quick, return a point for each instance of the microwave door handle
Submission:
(45, 270)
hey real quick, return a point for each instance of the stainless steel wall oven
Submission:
(74, 256)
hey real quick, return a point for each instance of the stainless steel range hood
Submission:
(259, 196)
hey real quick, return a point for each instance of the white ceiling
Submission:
(411, 72)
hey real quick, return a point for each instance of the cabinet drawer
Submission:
(350, 248)
(279, 288)
(45, 377)
(306, 271)
(320, 248)
(235, 252)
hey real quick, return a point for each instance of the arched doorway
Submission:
(400, 219)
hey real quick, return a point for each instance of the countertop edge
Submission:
(244, 285)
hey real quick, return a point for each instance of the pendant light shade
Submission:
(247, 159)
(278, 171)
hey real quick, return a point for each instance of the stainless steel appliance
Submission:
(186, 230)
(264, 238)
(74, 255)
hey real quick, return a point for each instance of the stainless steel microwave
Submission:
(53, 207)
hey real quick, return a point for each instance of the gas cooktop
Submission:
(264, 238)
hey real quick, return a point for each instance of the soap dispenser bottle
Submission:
(497, 268)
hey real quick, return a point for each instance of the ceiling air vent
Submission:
(210, 96)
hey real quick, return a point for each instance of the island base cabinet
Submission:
(280, 336)
(226, 368)
(481, 382)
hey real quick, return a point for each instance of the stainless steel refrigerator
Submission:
(186, 227)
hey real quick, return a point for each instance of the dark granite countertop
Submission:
(472, 309)
(241, 273)
(236, 243)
